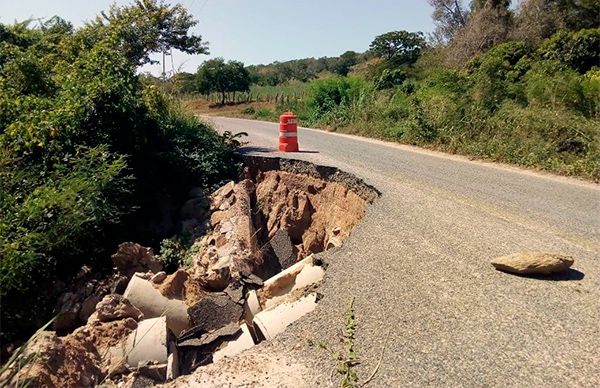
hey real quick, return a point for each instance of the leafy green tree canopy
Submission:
(399, 47)
(216, 75)
(146, 27)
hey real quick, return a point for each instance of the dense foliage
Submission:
(86, 149)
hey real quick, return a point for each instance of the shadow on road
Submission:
(257, 149)
(570, 274)
(250, 149)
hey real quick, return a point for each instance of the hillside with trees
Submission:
(517, 84)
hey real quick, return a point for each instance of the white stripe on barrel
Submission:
(288, 134)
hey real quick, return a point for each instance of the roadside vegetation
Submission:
(518, 85)
(88, 153)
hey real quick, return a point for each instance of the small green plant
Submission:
(348, 359)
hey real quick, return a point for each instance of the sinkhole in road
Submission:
(252, 269)
(264, 232)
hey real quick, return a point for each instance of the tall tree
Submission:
(345, 62)
(535, 21)
(449, 16)
(215, 75)
(398, 47)
(488, 25)
(146, 27)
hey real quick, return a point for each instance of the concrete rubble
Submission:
(252, 274)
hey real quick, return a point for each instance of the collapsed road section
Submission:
(252, 270)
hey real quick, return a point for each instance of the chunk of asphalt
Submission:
(214, 311)
(208, 338)
(252, 280)
(283, 248)
(199, 351)
(235, 292)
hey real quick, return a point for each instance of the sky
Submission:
(259, 31)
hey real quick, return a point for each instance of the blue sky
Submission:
(260, 31)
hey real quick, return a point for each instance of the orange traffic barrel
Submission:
(288, 132)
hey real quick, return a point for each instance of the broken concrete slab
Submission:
(234, 347)
(299, 276)
(142, 294)
(275, 320)
(236, 292)
(214, 311)
(252, 280)
(208, 338)
(148, 342)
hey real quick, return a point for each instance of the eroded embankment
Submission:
(252, 271)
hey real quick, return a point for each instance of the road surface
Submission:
(418, 267)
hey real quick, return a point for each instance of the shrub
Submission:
(390, 78)
(550, 84)
(327, 96)
(577, 49)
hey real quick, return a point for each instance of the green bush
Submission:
(495, 74)
(332, 96)
(553, 85)
(87, 156)
(577, 49)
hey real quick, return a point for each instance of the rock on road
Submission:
(418, 266)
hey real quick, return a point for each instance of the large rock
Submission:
(533, 263)
(114, 307)
(77, 304)
(132, 257)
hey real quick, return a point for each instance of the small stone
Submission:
(226, 226)
(533, 263)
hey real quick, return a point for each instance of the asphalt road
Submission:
(418, 267)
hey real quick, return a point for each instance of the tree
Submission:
(239, 77)
(535, 21)
(146, 27)
(84, 147)
(578, 14)
(216, 75)
(486, 27)
(345, 62)
(449, 16)
(398, 47)
(480, 4)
